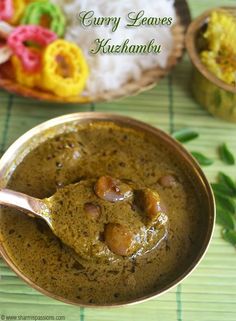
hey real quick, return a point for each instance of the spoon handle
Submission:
(29, 205)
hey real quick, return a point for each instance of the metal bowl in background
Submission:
(218, 97)
(14, 155)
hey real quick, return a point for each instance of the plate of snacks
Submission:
(62, 51)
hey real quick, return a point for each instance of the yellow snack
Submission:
(220, 58)
(65, 70)
(29, 79)
(19, 7)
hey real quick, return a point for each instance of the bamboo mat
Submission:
(209, 294)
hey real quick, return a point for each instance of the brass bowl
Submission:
(218, 97)
(14, 155)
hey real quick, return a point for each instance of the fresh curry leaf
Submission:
(202, 160)
(224, 218)
(225, 202)
(227, 181)
(185, 135)
(229, 236)
(225, 195)
(222, 189)
(225, 155)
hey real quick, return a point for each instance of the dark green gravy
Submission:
(90, 152)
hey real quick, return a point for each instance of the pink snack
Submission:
(6, 9)
(30, 59)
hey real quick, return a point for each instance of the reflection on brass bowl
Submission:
(96, 144)
(218, 97)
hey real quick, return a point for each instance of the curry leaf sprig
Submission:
(225, 195)
(224, 189)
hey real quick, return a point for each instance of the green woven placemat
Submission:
(209, 294)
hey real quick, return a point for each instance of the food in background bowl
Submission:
(219, 55)
(165, 195)
(213, 58)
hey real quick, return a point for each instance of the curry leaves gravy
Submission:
(85, 156)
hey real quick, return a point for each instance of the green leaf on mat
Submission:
(225, 155)
(224, 218)
(185, 135)
(229, 236)
(225, 202)
(202, 159)
(225, 196)
(226, 180)
(222, 189)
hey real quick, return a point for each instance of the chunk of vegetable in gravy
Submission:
(93, 211)
(150, 203)
(168, 181)
(111, 189)
(120, 239)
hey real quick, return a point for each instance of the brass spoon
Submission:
(32, 206)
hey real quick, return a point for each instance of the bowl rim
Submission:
(191, 33)
(88, 117)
